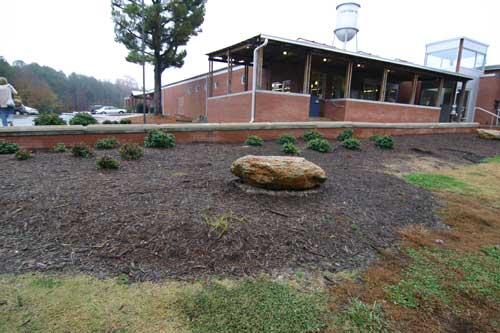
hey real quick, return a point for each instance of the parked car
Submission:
(22, 109)
(94, 108)
(110, 110)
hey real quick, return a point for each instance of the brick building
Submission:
(488, 98)
(299, 80)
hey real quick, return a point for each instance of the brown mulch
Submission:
(148, 219)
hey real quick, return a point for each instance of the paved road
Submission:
(28, 120)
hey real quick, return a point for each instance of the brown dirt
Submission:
(147, 219)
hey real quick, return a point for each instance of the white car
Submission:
(110, 110)
(30, 111)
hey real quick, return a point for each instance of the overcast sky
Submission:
(78, 36)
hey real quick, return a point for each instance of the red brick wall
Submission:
(192, 94)
(281, 107)
(389, 113)
(230, 108)
(489, 91)
(334, 110)
(48, 141)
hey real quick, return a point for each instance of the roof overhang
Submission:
(251, 43)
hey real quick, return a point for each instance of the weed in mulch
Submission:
(81, 150)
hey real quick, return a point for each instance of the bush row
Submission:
(84, 119)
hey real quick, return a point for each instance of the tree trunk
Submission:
(157, 94)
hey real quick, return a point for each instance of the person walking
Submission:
(7, 103)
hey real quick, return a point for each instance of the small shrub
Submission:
(287, 138)
(83, 119)
(60, 147)
(23, 154)
(107, 162)
(125, 121)
(254, 140)
(290, 149)
(351, 144)
(320, 145)
(131, 151)
(375, 138)
(312, 135)
(81, 150)
(106, 143)
(384, 141)
(108, 122)
(48, 118)
(158, 139)
(344, 135)
(8, 148)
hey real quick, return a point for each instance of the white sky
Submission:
(78, 36)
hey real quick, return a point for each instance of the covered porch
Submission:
(302, 80)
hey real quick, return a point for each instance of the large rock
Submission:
(278, 172)
(488, 134)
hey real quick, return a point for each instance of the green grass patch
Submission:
(434, 181)
(254, 306)
(362, 317)
(443, 275)
(494, 159)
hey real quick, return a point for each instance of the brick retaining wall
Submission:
(44, 137)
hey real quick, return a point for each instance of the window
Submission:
(283, 86)
(445, 59)
(468, 58)
(479, 61)
(196, 88)
(216, 84)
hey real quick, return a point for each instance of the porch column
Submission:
(461, 101)
(260, 64)
(348, 79)
(229, 72)
(439, 97)
(414, 89)
(383, 86)
(245, 73)
(307, 74)
(210, 83)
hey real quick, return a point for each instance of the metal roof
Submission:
(361, 55)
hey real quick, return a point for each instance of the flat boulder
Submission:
(488, 134)
(278, 172)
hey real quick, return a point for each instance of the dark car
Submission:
(94, 108)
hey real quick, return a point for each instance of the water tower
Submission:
(346, 27)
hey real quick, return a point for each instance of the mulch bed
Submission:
(148, 219)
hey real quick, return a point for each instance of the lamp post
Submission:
(143, 62)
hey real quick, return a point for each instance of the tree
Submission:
(168, 26)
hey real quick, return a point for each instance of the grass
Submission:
(41, 303)
(254, 306)
(495, 159)
(361, 317)
(440, 279)
(434, 181)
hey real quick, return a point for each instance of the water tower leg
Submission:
(356, 42)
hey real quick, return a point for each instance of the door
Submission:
(314, 109)
(318, 82)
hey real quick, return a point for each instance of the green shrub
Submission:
(158, 139)
(131, 151)
(107, 162)
(48, 118)
(106, 143)
(290, 149)
(60, 147)
(287, 138)
(81, 150)
(23, 154)
(383, 141)
(8, 148)
(351, 144)
(83, 119)
(312, 135)
(109, 122)
(321, 145)
(254, 140)
(344, 135)
(375, 138)
(125, 121)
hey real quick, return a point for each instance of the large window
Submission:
(445, 59)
